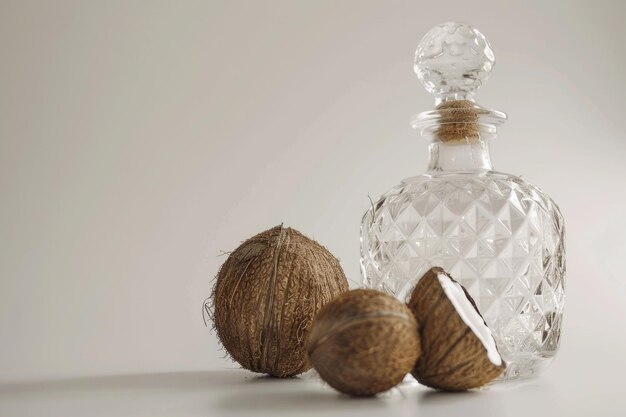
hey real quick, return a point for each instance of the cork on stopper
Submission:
(452, 61)
(458, 121)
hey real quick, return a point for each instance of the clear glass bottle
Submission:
(500, 237)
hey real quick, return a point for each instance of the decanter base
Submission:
(523, 368)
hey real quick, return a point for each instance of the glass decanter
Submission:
(500, 237)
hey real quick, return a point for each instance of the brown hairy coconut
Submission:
(458, 350)
(364, 342)
(266, 295)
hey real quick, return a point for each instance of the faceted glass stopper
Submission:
(453, 60)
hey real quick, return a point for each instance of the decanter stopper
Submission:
(453, 60)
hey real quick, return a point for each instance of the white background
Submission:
(140, 139)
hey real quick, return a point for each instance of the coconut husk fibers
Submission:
(458, 121)
(266, 295)
(453, 357)
(364, 342)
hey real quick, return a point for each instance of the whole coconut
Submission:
(266, 295)
(364, 342)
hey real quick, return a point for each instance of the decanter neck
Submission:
(460, 156)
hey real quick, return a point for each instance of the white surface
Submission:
(139, 139)
(239, 393)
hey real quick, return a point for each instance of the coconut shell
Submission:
(364, 342)
(453, 357)
(266, 295)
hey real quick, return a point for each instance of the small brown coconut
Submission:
(266, 295)
(458, 349)
(364, 342)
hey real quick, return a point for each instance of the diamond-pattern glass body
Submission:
(500, 237)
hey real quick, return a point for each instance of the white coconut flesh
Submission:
(470, 316)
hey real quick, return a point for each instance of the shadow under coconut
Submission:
(291, 396)
(434, 396)
(494, 400)
(458, 403)
(294, 402)
(269, 379)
